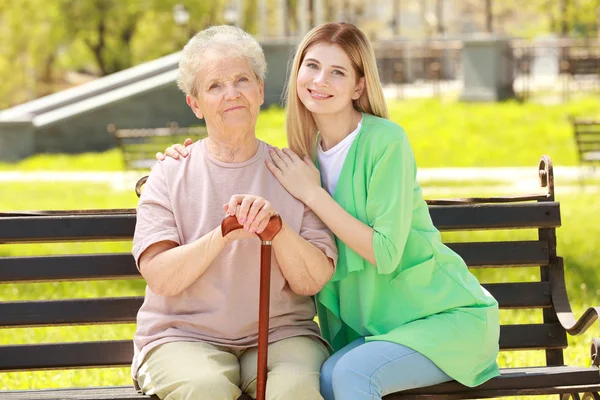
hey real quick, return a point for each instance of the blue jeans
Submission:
(368, 371)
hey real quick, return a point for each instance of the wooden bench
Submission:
(547, 296)
(587, 138)
(139, 146)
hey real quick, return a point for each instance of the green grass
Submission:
(497, 134)
(442, 133)
(577, 243)
(110, 160)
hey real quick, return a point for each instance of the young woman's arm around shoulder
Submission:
(379, 240)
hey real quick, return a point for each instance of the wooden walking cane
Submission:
(230, 224)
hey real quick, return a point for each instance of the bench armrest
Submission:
(562, 306)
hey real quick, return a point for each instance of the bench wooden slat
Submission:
(66, 355)
(589, 144)
(139, 146)
(68, 268)
(512, 381)
(122, 266)
(91, 393)
(496, 216)
(120, 352)
(532, 337)
(66, 228)
(501, 254)
(124, 309)
(70, 312)
(160, 132)
(521, 295)
(587, 138)
(533, 380)
(121, 226)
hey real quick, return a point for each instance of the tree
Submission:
(42, 40)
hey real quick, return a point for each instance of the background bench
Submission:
(587, 138)
(537, 212)
(139, 146)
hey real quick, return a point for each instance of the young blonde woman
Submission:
(402, 310)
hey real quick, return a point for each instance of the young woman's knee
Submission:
(327, 378)
(348, 377)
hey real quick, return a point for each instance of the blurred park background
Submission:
(482, 87)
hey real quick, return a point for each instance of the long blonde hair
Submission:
(300, 124)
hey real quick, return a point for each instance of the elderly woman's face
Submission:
(229, 94)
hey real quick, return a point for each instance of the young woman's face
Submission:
(327, 82)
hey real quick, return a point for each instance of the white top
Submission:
(332, 160)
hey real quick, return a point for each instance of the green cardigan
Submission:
(421, 294)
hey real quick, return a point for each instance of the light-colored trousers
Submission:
(197, 370)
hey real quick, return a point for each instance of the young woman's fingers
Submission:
(180, 149)
(273, 168)
(276, 158)
(293, 156)
(187, 142)
(284, 157)
(160, 156)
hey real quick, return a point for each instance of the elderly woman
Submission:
(197, 330)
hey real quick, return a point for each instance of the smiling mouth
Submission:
(319, 95)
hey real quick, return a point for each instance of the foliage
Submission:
(42, 40)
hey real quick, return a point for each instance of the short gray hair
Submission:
(234, 41)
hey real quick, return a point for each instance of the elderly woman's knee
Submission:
(210, 386)
(298, 386)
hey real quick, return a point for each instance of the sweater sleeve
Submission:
(390, 202)
(155, 217)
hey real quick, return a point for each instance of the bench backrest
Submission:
(139, 146)
(587, 137)
(540, 214)
(584, 65)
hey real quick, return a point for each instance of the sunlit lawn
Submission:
(442, 133)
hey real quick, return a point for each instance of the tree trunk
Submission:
(439, 11)
(564, 24)
(397, 16)
(98, 47)
(489, 28)
(598, 20)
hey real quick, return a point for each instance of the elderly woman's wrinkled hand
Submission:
(298, 176)
(175, 150)
(253, 212)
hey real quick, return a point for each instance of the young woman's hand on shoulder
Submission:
(175, 150)
(298, 176)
